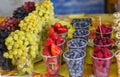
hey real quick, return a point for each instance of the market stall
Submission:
(33, 39)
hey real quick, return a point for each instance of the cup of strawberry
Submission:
(51, 56)
(103, 42)
(60, 29)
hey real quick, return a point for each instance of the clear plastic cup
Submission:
(81, 33)
(64, 35)
(75, 66)
(103, 46)
(81, 25)
(101, 66)
(77, 44)
(117, 56)
(52, 65)
(107, 34)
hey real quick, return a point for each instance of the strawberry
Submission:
(62, 29)
(46, 51)
(59, 40)
(57, 67)
(49, 41)
(54, 59)
(51, 72)
(57, 25)
(50, 33)
(54, 36)
(55, 50)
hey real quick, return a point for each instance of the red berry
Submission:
(49, 41)
(99, 55)
(57, 25)
(46, 51)
(52, 59)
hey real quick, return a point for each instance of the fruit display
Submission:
(4, 62)
(10, 24)
(77, 44)
(81, 33)
(75, 62)
(22, 50)
(24, 10)
(104, 30)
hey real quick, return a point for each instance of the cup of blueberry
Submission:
(81, 25)
(75, 62)
(77, 43)
(81, 33)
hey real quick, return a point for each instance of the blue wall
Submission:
(78, 6)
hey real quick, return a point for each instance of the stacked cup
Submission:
(102, 54)
(74, 57)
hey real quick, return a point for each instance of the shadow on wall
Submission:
(7, 6)
(78, 6)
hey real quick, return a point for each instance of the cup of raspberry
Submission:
(104, 30)
(103, 42)
(101, 62)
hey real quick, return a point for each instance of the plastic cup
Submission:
(81, 33)
(52, 65)
(64, 35)
(75, 66)
(77, 44)
(101, 66)
(103, 46)
(107, 34)
(81, 25)
(117, 53)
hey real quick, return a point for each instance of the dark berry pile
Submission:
(103, 40)
(29, 6)
(20, 13)
(5, 63)
(24, 10)
(10, 24)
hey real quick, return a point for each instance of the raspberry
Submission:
(99, 55)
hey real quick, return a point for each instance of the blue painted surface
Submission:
(78, 6)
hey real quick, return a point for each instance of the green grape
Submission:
(22, 49)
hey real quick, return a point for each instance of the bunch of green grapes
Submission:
(45, 12)
(22, 49)
(31, 23)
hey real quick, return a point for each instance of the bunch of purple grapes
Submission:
(24, 10)
(4, 62)
(10, 24)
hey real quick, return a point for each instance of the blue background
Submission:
(78, 6)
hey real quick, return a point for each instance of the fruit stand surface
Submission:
(39, 67)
